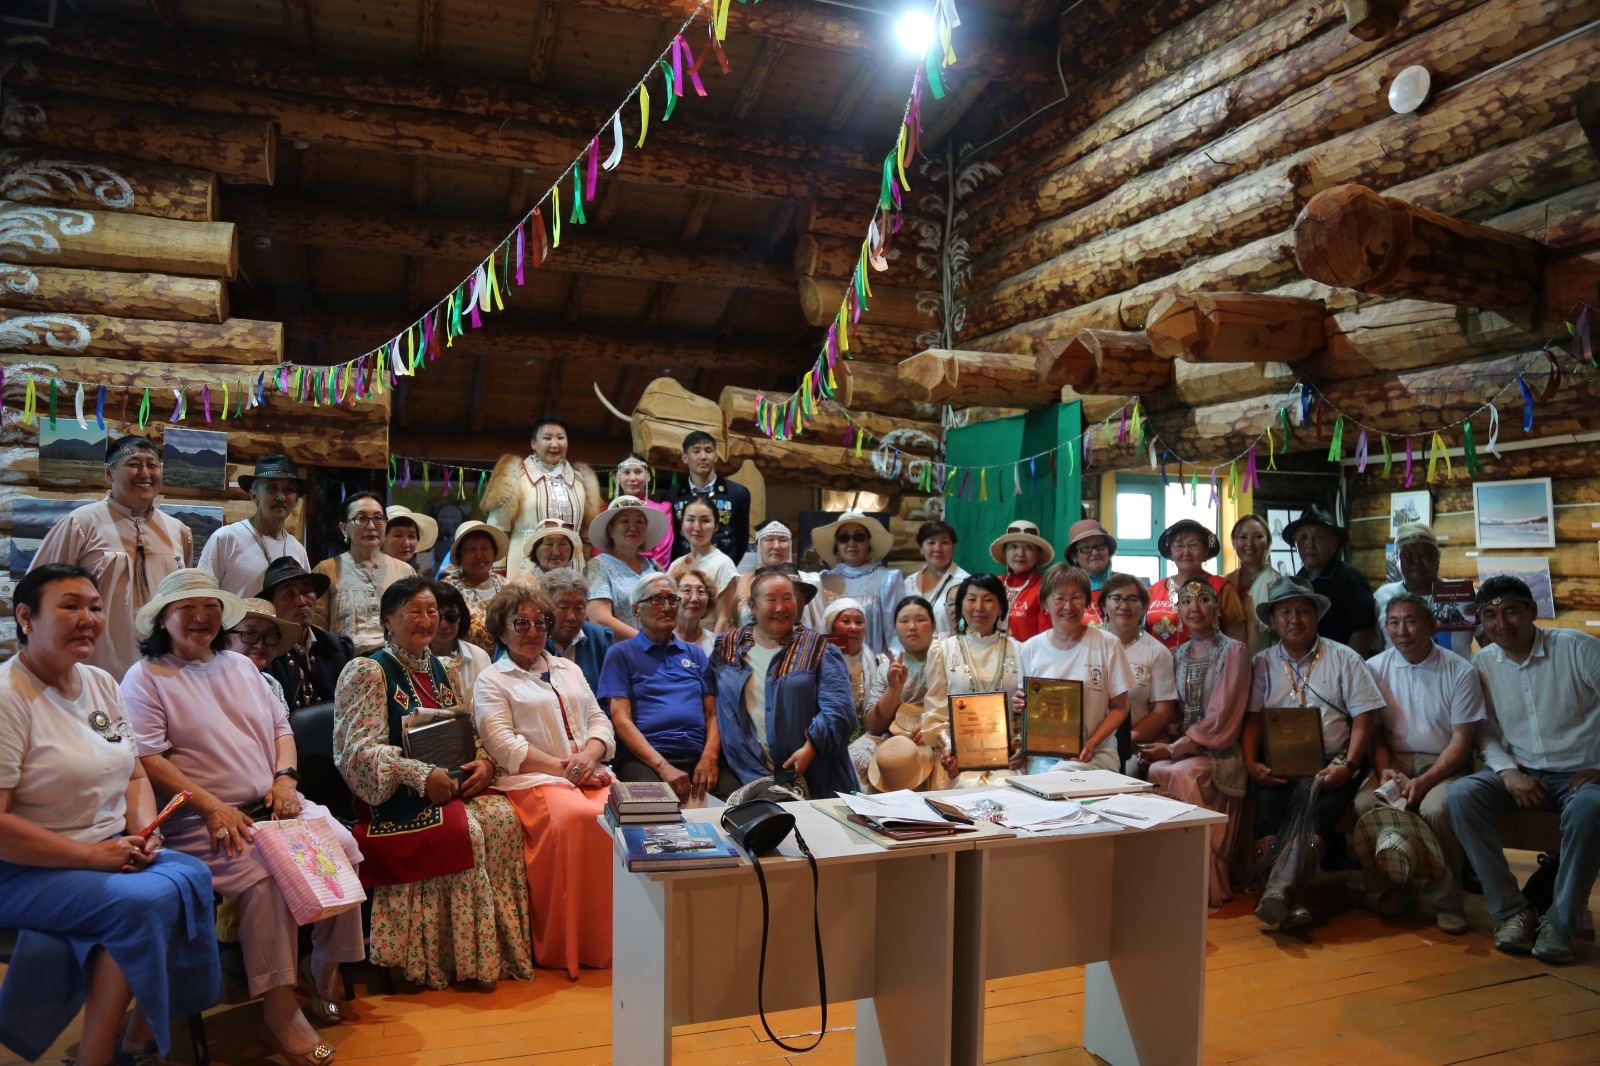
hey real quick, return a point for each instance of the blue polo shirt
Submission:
(666, 685)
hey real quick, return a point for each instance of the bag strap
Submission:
(816, 926)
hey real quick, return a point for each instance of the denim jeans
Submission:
(1474, 802)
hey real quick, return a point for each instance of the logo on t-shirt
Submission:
(1096, 678)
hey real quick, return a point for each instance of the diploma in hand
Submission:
(980, 731)
(1052, 717)
(1294, 741)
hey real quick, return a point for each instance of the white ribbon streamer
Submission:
(615, 157)
(77, 408)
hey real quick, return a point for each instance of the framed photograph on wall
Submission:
(1534, 570)
(1409, 507)
(1514, 514)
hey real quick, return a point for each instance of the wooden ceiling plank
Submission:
(552, 384)
(480, 389)
(427, 32)
(624, 398)
(575, 294)
(650, 321)
(416, 295)
(298, 18)
(853, 91)
(732, 312)
(520, 195)
(760, 70)
(306, 158)
(699, 211)
(419, 182)
(165, 12)
(544, 39)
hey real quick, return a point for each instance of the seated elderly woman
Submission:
(450, 643)
(663, 700)
(846, 624)
(444, 857)
(783, 694)
(103, 914)
(261, 636)
(208, 723)
(548, 737)
(894, 702)
(1205, 765)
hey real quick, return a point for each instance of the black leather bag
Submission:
(758, 826)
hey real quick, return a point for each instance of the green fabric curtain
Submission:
(1000, 449)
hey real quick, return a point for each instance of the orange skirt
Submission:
(568, 856)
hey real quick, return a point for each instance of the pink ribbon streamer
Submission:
(592, 175)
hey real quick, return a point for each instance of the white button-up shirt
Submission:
(1426, 700)
(515, 709)
(1337, 682)
(1544, 712)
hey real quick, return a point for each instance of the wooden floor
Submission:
(1358, 989)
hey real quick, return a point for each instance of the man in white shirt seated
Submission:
(1434, 704)
(1541, 746)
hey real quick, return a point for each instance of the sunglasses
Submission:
(853, 538)
(522, 625)
(450, 616)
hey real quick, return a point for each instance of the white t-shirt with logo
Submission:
(1153, 677)
(1099, 662)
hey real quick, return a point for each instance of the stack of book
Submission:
(641, 803)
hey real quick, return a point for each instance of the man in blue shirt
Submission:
(574, 637)
(663, 700)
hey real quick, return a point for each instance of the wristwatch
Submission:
(290, 772)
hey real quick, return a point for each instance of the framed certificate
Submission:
(1052, 717)
(1294, 741)
(980, 730)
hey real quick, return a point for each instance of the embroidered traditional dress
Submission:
(960, 665)
(355, 591)
(877, 587)
(1161, 620)
(466, 926)
(908, 718)
(521, 493)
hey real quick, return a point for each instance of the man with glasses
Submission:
(1541, 749)
(574, 637)
(309, 669)
(240, 552)
(126, 542)
(663, 700)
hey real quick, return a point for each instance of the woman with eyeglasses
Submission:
(980, 657)
(358, 577)
(550, 741)
(695, 588)
(1153, 696)
(1252, 580)
(1190, 546)
(663, 700)
(1090, 548)
(1205, 764)
(261, 636)
(1075, 651)
(621, 534)
(443, 853)
(448, 644)
(698, 525)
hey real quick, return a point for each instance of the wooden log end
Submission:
(929, 376)
(1068, 363)
(1173, 325)
(1345, 236)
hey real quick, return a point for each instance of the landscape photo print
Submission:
(1514, 514)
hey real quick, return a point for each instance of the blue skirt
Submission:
(157, 924)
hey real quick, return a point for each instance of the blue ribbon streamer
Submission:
(1527, 404)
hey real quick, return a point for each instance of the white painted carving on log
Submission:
(37, 179)
(60, 333)
(18, 279)
(29, 232)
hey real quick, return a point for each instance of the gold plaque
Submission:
(980, 730)
(1294, 741)
(1052, 717)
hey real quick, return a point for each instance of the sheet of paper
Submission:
(904, 805)
(1141, 810)
(1017, 809)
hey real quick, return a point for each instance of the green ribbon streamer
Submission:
(886, 192)
(577, 214)
(1470, 447)
(144, 409)
(935, 86)
(53, 403)
(1283, 449)
(672, 92)
(1388, 456)
(1336, 448)
(1194, 486)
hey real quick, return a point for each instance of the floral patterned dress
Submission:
(470, 926)
(478, 601)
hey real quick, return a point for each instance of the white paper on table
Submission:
(1018, 809)
(1141, 811)
(896, 807)
(1090, 824)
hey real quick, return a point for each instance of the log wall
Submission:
(1182, 167)
(1574, 470)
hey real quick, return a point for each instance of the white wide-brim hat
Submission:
(1022, 531)
(289, 633)
(654, 530)
(427, 528)
(502, 543)
(190, 583)
(554, 527)
(822, 537)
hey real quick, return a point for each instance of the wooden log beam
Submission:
(845, 106)
(239, 150)
(1099, 408)
(1197, 384)
(299, 22)
(756, 78)
(1124, 365)
(993, 378)
(480, 389)
(391, 129)
(1126, 36)
(1068, 361)
(1526, 95)
(876, 387)
(238, 340)
(1539, 171)
(325, 224)
(1235, 327)
(427, 51)
(820, 299)
(37, 287)
(1371, 20)
(829, 425)
(69, 236)
(887, 344)
(511, 337)
(1354, 238)
(107, 183)
(822, 256)
(797, 461)
(1384, 336)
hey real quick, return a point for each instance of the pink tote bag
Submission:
(310, 868)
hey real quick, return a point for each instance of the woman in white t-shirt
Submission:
(699, 525)
(1153, 696)
(76, 878)
(1072, 650)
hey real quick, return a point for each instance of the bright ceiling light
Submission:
(914, 32)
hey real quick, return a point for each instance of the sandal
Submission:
(324, 1012)
(321, 1055)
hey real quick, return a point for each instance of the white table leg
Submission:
(907, 1020)
(641, 990)
(1147, 1004)
(970, 955)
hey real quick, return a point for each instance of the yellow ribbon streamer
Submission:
(555, 214)
(644, 113)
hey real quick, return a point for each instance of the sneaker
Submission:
(1554, 943)
(1514, 935)
(1452, 922)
